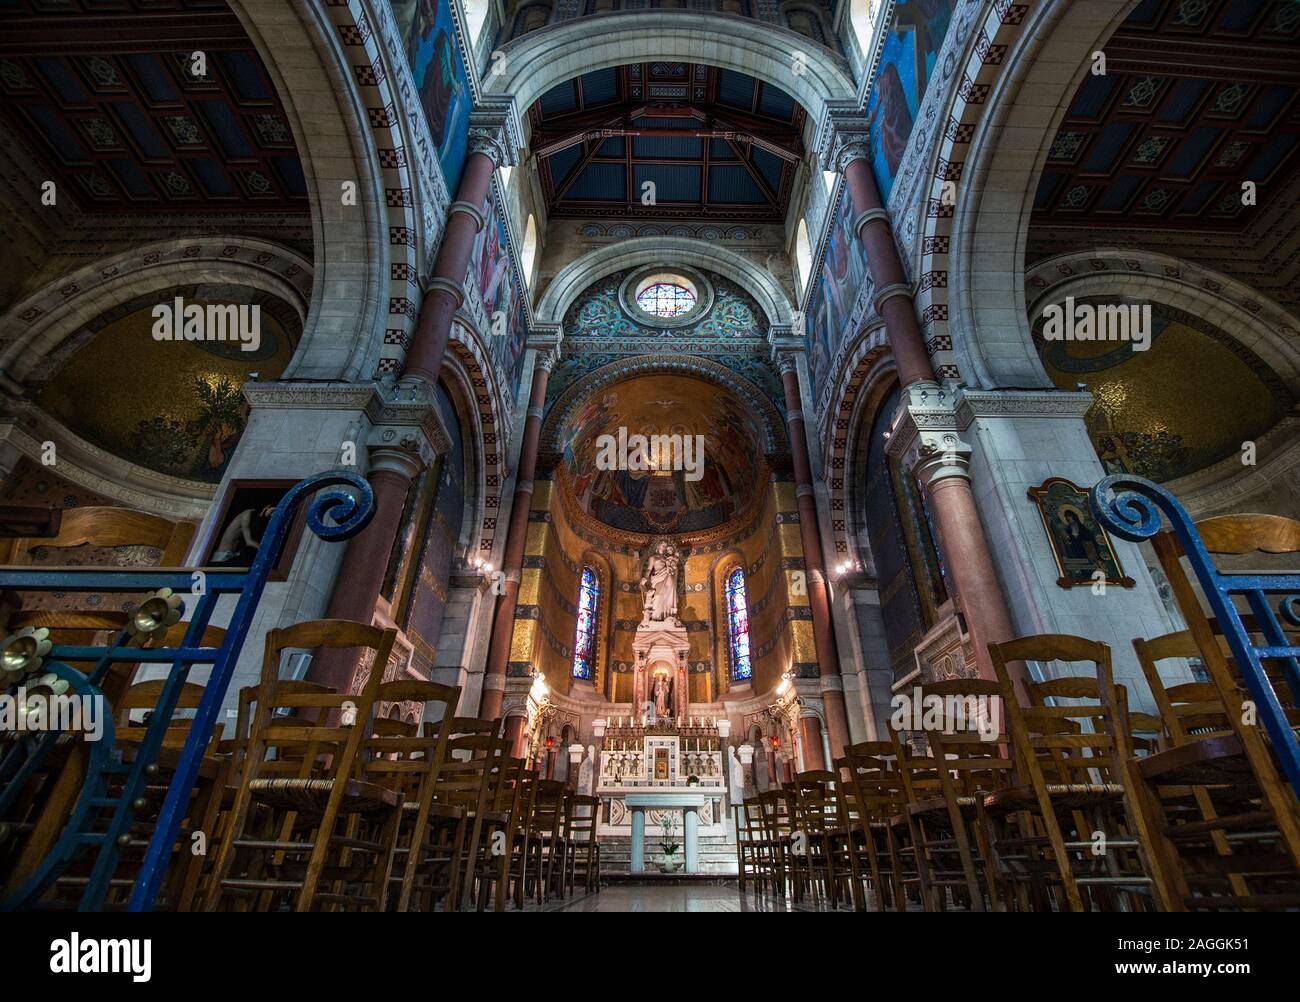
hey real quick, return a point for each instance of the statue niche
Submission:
(661, 645)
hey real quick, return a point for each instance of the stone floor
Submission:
(669, 897)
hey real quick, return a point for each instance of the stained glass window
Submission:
(738, 626)
(584, 641)
(665, 299)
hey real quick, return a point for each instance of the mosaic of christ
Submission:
(665, 489)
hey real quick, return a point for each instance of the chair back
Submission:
(818, 807)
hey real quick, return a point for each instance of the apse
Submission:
(691, 453)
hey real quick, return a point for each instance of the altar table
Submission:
(664, 800)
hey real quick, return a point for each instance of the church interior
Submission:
(650, 455)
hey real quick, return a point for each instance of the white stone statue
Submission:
(736, 776)
(587, 772)
(659, 583)
(663, 690)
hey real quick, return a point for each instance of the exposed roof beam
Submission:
(1210, 59)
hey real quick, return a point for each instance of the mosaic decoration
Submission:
(906, 64)
(836, 293)
(584, 643)
(662, 499)
(1189, 401)
(187, 419)
(742, 668)
(439, 74)
(598, 313)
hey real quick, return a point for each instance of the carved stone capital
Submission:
(407, 419)
(493, 133)
(547, 358)
(925, 436)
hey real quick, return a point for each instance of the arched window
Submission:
(803, 254)
(862, 19)
(529, 254)
(584, 640)
(476, 12)
(742, 668)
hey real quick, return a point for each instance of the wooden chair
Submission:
(878, 798)
(1074, 765)
(752, 856)
(583, 846)
(1217, 835)
(945, 788)
(465, 797)
(820, 818)
(324, 835)
(409, 758)
(787, 867)
(550, 801)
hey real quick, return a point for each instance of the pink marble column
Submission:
(828, 656)
(503, 624)
(515, 734)
(961, 533)
(810, 735)
(356, 588)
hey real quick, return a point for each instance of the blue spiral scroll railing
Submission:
(342, 506)
(1131, 508)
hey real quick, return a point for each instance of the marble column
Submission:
(810, 736)
(503, 625)
(940, 461)
(828, 656)
(356, 588)
(366, 561)
(516, 735)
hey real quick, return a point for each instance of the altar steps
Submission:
(717, 856)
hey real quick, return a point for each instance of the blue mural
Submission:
(440, 79)
(504, 308)
(907, 62)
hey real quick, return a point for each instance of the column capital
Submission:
(548, 356)
(925, 436)
(407, 418)
(494, 133)
(784, 360)
(848, 139)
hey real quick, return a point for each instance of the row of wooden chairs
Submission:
(318, 802)
(1065, 799)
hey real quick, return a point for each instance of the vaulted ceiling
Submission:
(714, 143)
(105, 94)
(1198, 96)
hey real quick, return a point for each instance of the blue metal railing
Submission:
(1133, 513)
(348, 513)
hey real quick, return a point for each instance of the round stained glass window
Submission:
(665, 299)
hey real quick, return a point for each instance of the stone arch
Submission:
(1253, 320)
(490, 434)
(1020, 75)
(576, 276)
(875, 377)
(549, 56)
(37, 325)
(329, 67)
(769, 418)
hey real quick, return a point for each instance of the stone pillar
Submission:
(746, 752)
(362, 573)
(828, 657)
(503, 625)
(516, 734)
(940, 460)
(357, 585)
(810, 736)
(575, 763)
(488, 150)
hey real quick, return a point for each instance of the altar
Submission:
(688, 803)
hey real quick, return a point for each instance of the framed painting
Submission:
(245, 513)
(1080, 546)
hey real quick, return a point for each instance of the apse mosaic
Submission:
(1187, 402)
(843, 274)
(439, 74)
(599, 312)
(186, 418)
(907, 62)
(660, 498)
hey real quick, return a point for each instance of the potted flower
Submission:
(669, 863)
